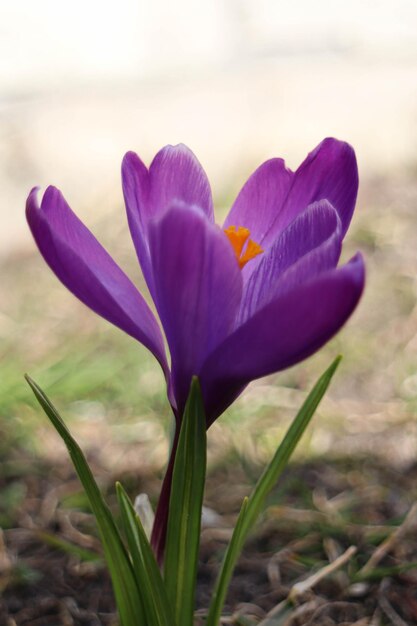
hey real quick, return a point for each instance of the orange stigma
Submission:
(238, 237)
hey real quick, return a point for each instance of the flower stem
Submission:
(160, 525)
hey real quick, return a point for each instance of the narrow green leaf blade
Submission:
(70, 548)
(186, 501)
(266, 482)
(279, 462)
(127, 594)
(145, 566)
(232, 554)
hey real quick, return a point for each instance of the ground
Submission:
(52, 571)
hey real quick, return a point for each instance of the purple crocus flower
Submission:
(235, 303)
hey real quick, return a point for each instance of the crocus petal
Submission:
(286, 331)
(136, 184)
(310, 245)
(261, 199)
(273, 196)
(89, 272)
(198, 287)
(175, 174)
(329, 172)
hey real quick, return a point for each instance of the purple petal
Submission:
(273, 196)
(89, 272)
(175, 174)
(328, 173)
(198, 287)
(261, 199)
(311, 244)
(286, 331)
(136, 186)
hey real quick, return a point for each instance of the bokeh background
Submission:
(239, 82)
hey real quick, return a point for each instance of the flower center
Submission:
(238, 238)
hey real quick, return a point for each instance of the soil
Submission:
(52, 572)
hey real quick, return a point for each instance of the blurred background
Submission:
(239, 82)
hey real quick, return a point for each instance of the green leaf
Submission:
(148, 576)
(70, 548)
(378, 573)
(233, 551)
(126, 591)
(185, 505)
(249, 512)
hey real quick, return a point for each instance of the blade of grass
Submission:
(186, 501)
(126, 591)
(66, 546)
(266, 482)
(378, 573)
(146, 569)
